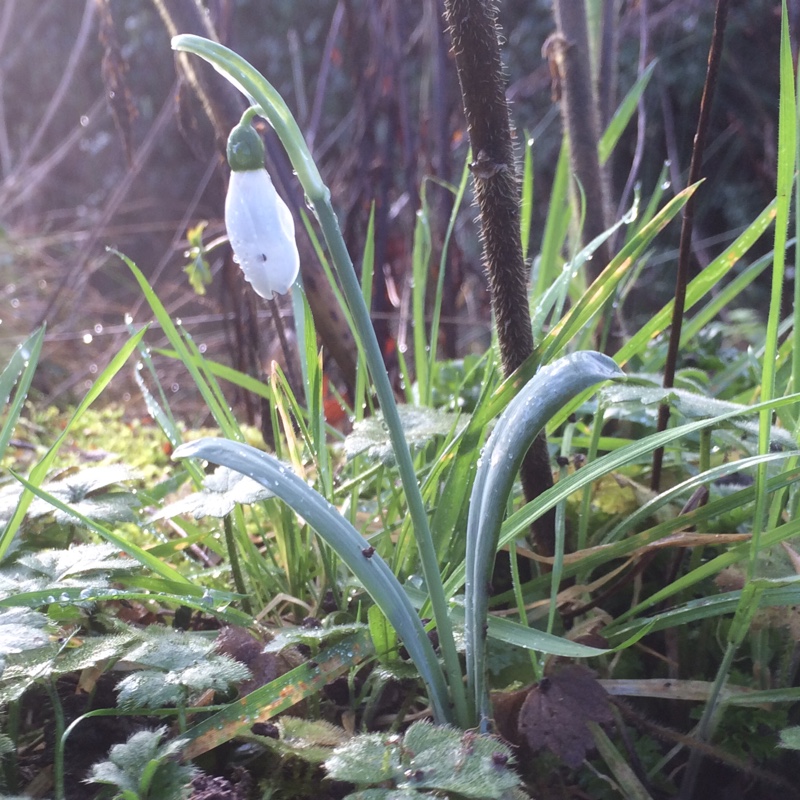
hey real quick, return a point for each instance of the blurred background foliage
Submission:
(374, 88)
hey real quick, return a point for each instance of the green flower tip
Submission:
(245, 148)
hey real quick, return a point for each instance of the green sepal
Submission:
(245, 148)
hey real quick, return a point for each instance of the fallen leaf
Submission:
(556, 712)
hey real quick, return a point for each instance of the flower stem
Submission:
(272, 107)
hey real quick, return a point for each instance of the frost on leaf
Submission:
(556, 712)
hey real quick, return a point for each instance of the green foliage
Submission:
(20, 630)
(427, 759)
(421, 425)
(144, 769)
(375, 492)
(176, 667)
(222, 491)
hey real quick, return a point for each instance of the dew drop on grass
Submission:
(87, 338)
(98, 328)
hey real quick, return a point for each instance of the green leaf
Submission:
(790, 738)
(373, 572)
(693, 406)
(222, 490)
(460, 762)
(312, 740)
(428, 757)
(421, 425)
(384, 636)
(184, 664)
(548, 391)
(369, 758)
(21, 629)
(145, 769)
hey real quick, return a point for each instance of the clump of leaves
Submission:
(144, 769)
(177, 666)
(85, 566)
(95, 492)
(427, 760)
(421, 425)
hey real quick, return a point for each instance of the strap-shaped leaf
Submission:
(550, 389)
(373, 572)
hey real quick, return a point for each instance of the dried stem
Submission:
(685, 248)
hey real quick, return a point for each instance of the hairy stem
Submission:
(474, 32)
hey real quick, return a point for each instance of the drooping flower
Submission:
(260, 225)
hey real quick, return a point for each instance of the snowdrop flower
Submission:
(260, 225)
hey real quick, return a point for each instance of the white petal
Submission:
(261, 231)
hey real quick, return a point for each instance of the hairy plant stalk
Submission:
(685, 247)
(473, 28)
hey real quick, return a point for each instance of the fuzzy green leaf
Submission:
(222, 490)
(692, 406)
(370, 437)
(181, 664)
(20, 629)
(145, 769)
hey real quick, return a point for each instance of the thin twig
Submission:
(685, 248)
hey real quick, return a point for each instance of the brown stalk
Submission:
(474, 32)
(568, 52)
(685, 247)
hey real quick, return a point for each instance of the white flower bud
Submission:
(261, 232)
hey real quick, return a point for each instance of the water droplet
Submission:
(128, 319)
(87, 338)
(98, 328)
(84, 120)
(15, 302)
(93, 369)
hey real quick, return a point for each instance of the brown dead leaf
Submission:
(556, 712)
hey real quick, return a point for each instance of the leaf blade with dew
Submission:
(19, 370)
(700, 286)
(622, 116)
(595, 297)
(520, 423)
(354, 550)
(222, 415)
